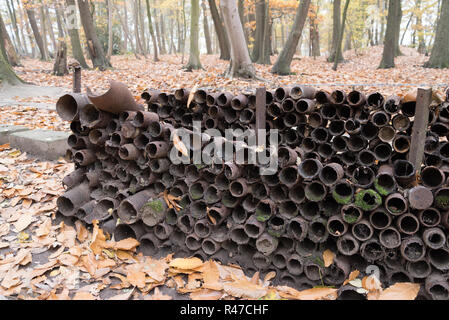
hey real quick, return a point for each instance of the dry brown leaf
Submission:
(400, 291)
(354, 274)
(206, 294)
(186, 263)
(318, 294)
(98, 239)
(24, 221)
(136, 278)
(328, 258)
(83, 295)
(128, 244)
(81, 231)
(244, 289)
(179, 145)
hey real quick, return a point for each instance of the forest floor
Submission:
(45, 257)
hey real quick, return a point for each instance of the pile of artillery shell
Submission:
(343, 183)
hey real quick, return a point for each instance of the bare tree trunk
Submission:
(420, 28)
(139, 46)
(314, 31)
(194, 57)
(397, 30)
(153, 37)
(242, 16)
(260, 28)
(126, 31)
(21, 22)
(158, 34)
(265, 49)
(77, 50)
(162, 26)
(94, 47)
(37, 35)
(439, 58)
(60, 66)
(142, 28)
(390, 36)
(43, 25)
(336, 26)
(109, 54)
(13, 16)
(340, 37)
(7, 74)
(50, 27)
(206, 28)
(30, 35)
(223, 40)
(240, 65)
(283, 62)
(11, 54)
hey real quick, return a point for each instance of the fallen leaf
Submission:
(244, 288)
(186, 263)
(24, 221)
(328, 258)
(400, 291)
(83, 295)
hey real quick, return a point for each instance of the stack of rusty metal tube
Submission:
(343, 183)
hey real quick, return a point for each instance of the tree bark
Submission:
(94, 47)
(420, 28)
(194, 57)
(260, 28)
(283, 62)
(60, 66)
(139, 46)
(142, 28)
(37, 35)
(12, 14)
(21, 27)
(314, 32)
(50, 26)
(153, 37)
(77, 50)
(43, 25)
(439, 57)
(397, 51)
(340, 36)
(222, 37)
(390, 45)
(7, 74)
(240, 65)
(265, 48)
(336, 26)
(109, 54)
(206, 28)
(11, 54)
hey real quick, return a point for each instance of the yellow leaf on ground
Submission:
(400, 291)
(186, 263)
(328, 258)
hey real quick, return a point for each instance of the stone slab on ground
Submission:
(45, 144)
(6, 130)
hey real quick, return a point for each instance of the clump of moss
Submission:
(442, 202)
(368, 200)
(341, 200)
(155, 205)
(350, 218)
(382, 191)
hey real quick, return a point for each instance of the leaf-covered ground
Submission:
(43, 257)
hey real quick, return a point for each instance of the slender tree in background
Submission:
(397, 30)
(314, 33)
(264, 47)
(37, 36)
(420, 28)
(336, 26)
(77, 50)
(283, 62)
(21, 43)
(340, 36)
(11, 54)
(390, 36)
(94, 46)
(260, 28)
(153, 36)
(206, 28)
(222, 36)
(240, 65)
(109, 54)
(7, 74)
(194, 57)
(439, 57)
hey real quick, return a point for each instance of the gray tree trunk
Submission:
(240, 65)
(283, 62)
(94, 47)
(340, 37)
(223, 40)
(7, 74)
(390, 43)
(109, 54)
(194, 57)
(206, 28)
(439, 57)
(11, 54)
(153, 37)
(37, 36)
(336, 26)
